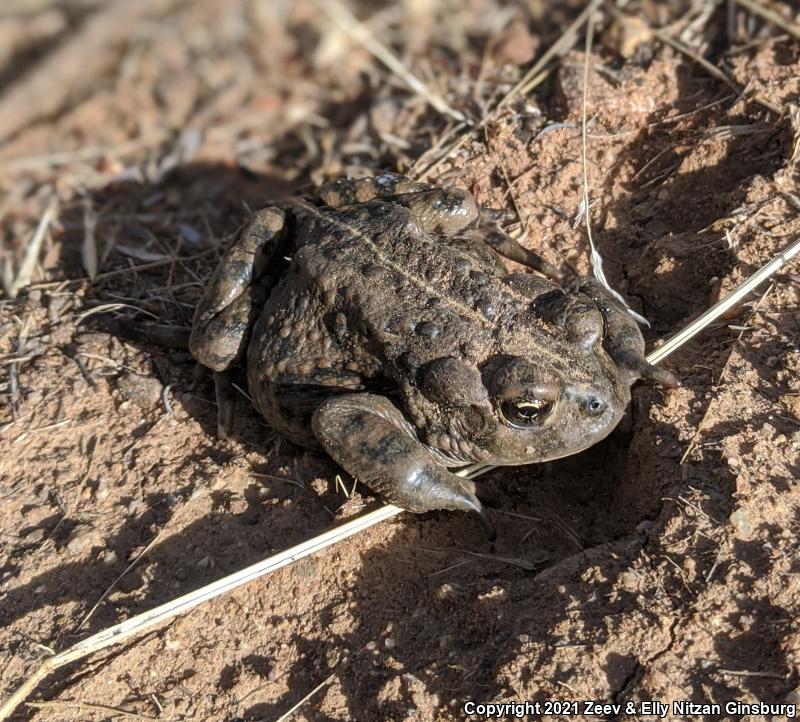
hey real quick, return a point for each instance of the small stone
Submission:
(741, 522)
(792, 404)
(80, 540)
(389, 643)
(136, 506)
(332, 658)
(109, 557)
(371, 646)
(144, 391)
(206, 562)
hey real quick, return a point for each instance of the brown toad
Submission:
(378, 322)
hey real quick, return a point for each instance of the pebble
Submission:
(741, 522)
(389, 643)
(101, 491)
(109, 557)
(136, 506)
(792, 404)
(332, 658)
(144, 391)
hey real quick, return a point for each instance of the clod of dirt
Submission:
(741, 523)
(81, 539)
(144, 391)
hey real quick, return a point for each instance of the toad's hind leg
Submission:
(367, 436)
(232, 300)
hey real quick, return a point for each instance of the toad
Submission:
(377, 321)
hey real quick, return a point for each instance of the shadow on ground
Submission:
(456, 621)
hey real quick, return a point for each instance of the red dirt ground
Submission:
(665, 559)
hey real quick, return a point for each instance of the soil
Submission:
(661, 564)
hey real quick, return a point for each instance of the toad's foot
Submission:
(368, 437)
(226, 312)
(233, 297)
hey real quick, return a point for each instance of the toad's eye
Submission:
(525, 412)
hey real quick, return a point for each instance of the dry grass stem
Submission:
(113, 584)
(89, 249)
(528, 566)
(324, 683)
(92, 707)
(771, 16)
(564, 44)
(594, 255)
(719, 308)
(711, 69)
(25, 272)
(27, 163)
(532, 78)
(362, 34)
(164, 612)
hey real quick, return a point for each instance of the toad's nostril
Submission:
(594, 406)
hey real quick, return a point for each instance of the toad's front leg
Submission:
(623, 340)
(368, 437)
